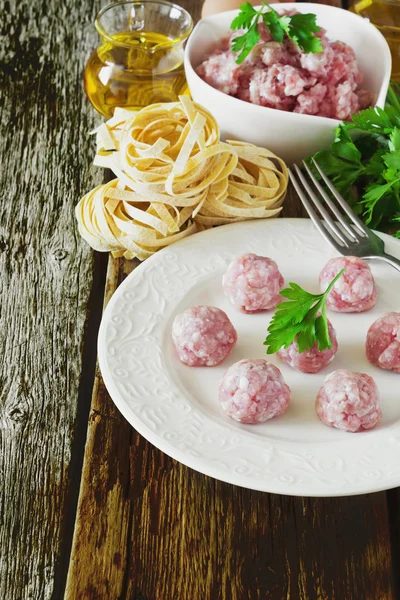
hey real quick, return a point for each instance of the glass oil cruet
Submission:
(139, 60)
(385, 15)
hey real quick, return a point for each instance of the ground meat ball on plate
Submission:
(310, 361)
(253, 391)
(355, 290)
(349, 401)
(253, 283)
(383, 342)
(203, 336)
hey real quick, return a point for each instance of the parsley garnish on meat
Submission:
(366, 169)
(300, 28)
(299, 320)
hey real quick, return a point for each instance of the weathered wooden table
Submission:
(89, 509)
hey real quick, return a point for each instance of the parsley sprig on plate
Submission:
(366, 168)
(300, 28)
(303, 319)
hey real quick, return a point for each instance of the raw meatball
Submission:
(253, 391)
(349, 401)
(383, 342)
(355, 291)
(310, 361)
(253, 283)
(203, 336)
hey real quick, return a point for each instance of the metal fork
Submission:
(349, 239)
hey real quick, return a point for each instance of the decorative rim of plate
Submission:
(141, 387)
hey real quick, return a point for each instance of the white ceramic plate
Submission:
(176, 407)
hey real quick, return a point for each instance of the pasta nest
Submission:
(174, 177)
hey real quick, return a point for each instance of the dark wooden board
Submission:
(48, 276)
(146, 526)
(149, 528)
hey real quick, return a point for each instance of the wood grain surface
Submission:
(47, 278)
(149, 528)
(145, 527)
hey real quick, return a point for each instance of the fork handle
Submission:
(391, 260)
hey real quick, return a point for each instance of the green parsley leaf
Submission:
(306, 337)
(364, 162)
(299, 28)
(292, 313)
(239, 43)
(392, 105)
(372, 119)
(244, 18)
(272, 21)
(347, 150)
(246, 43)
(285, 24)
(375, 166)
(376, 193)
(392, 159)
(322, 333)
(281, 338)
(339, 167)
(311, 45)
(302, 318)
(394, 139)
(294, 292)
(368, 146)
(304, 24)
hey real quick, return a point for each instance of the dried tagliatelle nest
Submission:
(174, 177)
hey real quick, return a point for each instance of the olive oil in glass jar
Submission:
(385, 15)
(140, 58)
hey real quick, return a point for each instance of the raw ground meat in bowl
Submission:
(355, 290)
(383, 342)
(282, 76)
(252, 283)
(203, 336)
(312, 360)
(349, 401)
(275, 76)
(253, 391)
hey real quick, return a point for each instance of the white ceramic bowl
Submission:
(290, 135)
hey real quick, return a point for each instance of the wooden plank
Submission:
(393, 503)
(150, 528)
(47, 274)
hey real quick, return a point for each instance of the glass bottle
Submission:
(385, 15)
(139, 60)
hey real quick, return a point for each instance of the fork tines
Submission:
(339, 233)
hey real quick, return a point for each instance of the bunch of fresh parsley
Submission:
(364, 163)
(303, 319)
(300, 28)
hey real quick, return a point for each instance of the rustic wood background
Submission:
(88, 509)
